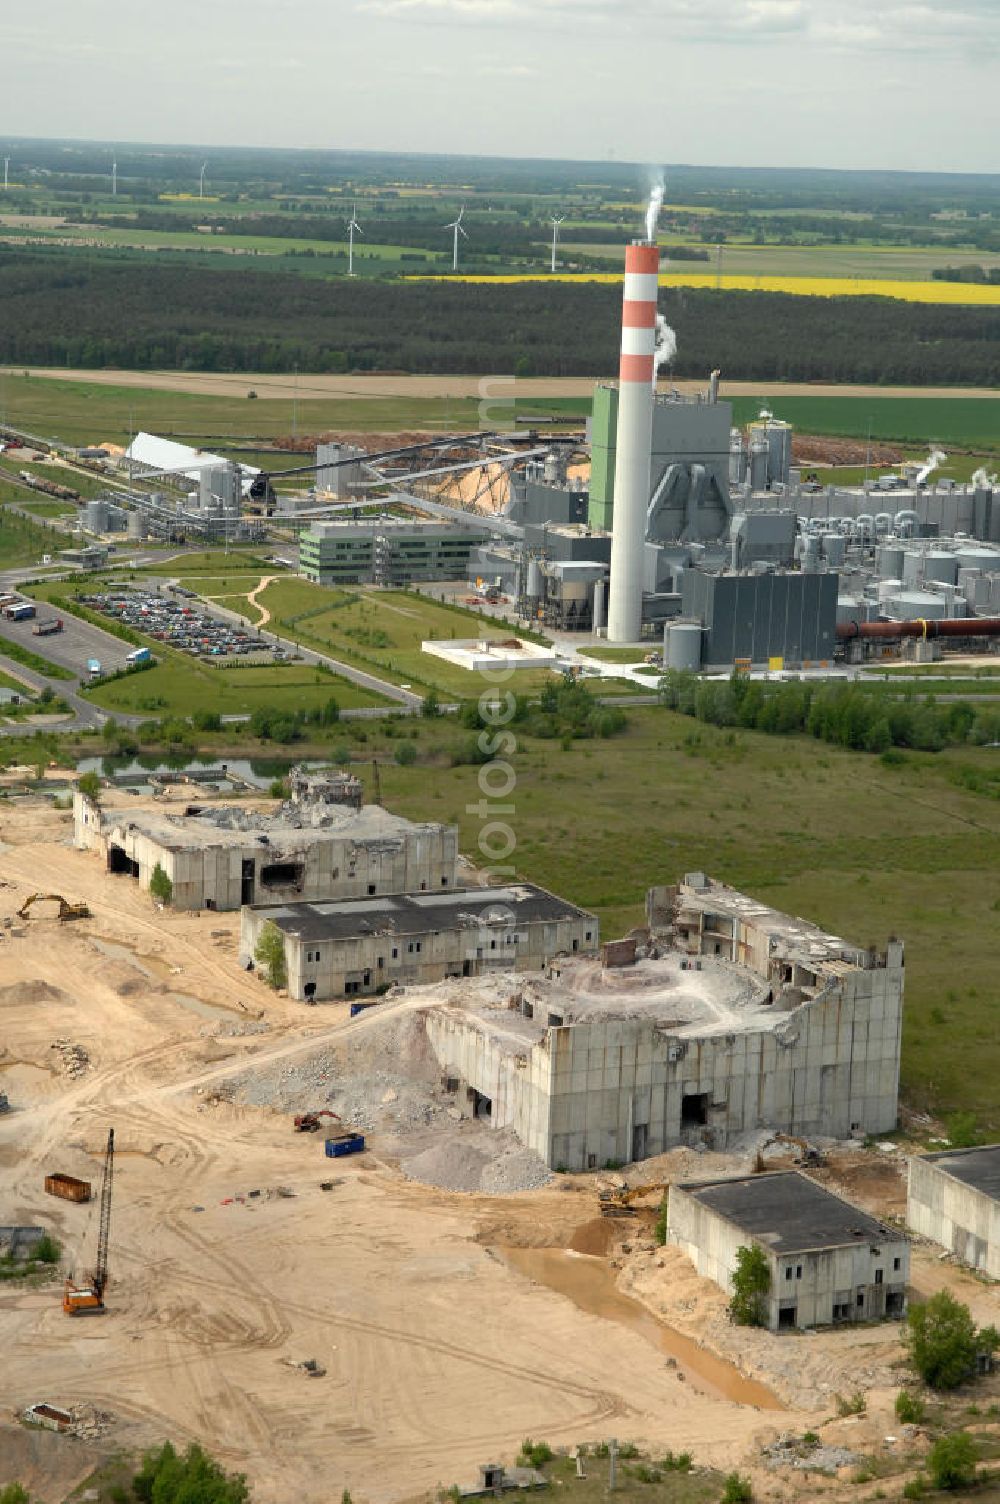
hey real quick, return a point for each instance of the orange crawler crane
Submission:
(88, 1300)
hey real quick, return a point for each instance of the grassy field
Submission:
(962, 422)
(863, 849)
(381, 631)
(868, 262)
(21, 541)
(182, 686)
(212, 564)
(613, 655)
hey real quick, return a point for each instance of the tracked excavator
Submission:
(66, 910)
(88, 1300)
(309, 1122)
(620, 1196)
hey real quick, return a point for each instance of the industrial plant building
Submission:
(222, 856)
(362, 946)
(954, 1199)
(386, 551)
(829, 1262)
(728, 1017)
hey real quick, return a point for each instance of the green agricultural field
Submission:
(381, 631)
(863, 849)
(865, 262)
(960, 422)
(238, 245)
(181, 686)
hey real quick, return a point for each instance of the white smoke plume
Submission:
(982, 478)
(666, 346)
(653, 210)
(934, 460)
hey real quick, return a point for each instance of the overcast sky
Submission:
(830, 83)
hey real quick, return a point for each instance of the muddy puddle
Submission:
(589, 1283)
(159, 970)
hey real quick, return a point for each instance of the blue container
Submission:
(344, 1143)
(357, 1008)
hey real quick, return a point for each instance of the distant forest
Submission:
(102, 311)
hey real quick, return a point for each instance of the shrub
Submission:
(47, 1250)
(430, 706)
(737, 1490)
(910, 1408)
(751, 1283)
(406, 754)
(660, 1226)
(160, 886)
(535, 1453)
(854, 1406)
(943, 1341)
(916, 1488)
(89, 784)
(269, 953)
(952, 1460)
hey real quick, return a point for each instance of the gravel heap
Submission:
(385, 1080)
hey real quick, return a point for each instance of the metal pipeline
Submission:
(951, 626)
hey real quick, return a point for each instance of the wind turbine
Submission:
(456, 225)
(353, 228)
(114, 177)
(556, 222)
(201, 180)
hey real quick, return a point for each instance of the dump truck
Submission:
(67, 1186)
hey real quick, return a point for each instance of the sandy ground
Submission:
(439, 1355)
(497, 388)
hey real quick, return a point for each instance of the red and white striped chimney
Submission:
(634, 441)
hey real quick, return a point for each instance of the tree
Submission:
(166, 1478)
(430, 705)
(751, 1283)
(14, 1494)
(90, 785)
(269, 952)
(160, 886)
(943, 1341)
(406, 754)
(952, 1460)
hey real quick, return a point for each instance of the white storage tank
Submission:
(890, 562)
(969, 556)
(941, 566)
(95, 516)
(535, 587)
(913, 566)
(911, 605)
(137, 529)
(682, 645)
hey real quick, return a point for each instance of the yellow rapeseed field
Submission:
(981, 294)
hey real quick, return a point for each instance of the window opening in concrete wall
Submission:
(878, 1276)
(120, 863)
(896, 1263)
(798, 1271)
(368, 978)
(894, 1303)
(371, 890)
(482, 1106)
(282, 875)
(861, 1299)
(247, 881)
(842, 1311)
(694, 1110)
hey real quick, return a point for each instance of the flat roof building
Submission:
(224, 856)
(733, 1018)
(829, 1262)
(386, 551)
(362, 946)
(954, 1199)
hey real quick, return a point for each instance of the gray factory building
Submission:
(945, 510)
(727, 1018)
(760, 617)
(689, 475)
(954, 1199)
(222, 856)
(829, 1262)
(361, 947)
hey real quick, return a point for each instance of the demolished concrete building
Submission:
(734, 1018)
(224, 856)
(362, 946)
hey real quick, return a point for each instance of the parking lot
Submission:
(73, 647)
(175, 617)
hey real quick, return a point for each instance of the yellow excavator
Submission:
(620, 1196)
(67, 910)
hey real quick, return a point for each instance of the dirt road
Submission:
(496, 388)
(439, 1355)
